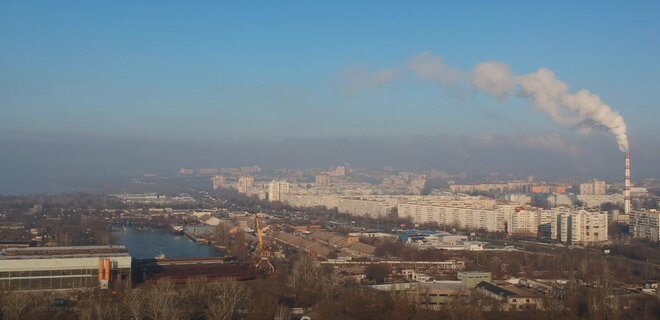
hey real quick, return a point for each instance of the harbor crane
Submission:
(263, 253)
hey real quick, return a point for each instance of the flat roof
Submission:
(67, 256)
(59, 251)
(495, 289)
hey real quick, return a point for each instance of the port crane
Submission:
(263, 254)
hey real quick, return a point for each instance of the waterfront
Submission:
(150, 243)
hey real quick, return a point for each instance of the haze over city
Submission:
(91, 91)
(341, 160)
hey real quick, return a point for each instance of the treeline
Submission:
(557, 264)
(642, 250)
(199, 299)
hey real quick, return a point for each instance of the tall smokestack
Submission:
(627, 185)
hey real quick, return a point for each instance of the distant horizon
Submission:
(552, 89)
(66, 164)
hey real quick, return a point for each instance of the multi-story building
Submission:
(277, 190)
(579, 227)
(323, 180)
(339, 171)
(512, 186)
(593, 187)
(245, 184)
(645, 224)
(461, 217)
(218, 182)
(417, 185)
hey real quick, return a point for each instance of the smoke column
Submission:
(582, 110)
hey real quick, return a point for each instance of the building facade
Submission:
(645, 224)
(277, 190)
(323, 180)
(50, 268)
(593, 187)
(245, 184)
(218, 182)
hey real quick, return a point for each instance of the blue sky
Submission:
(211, 71)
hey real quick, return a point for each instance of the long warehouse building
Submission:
(49, 268)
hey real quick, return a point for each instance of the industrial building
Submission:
(512, 298)
(49, 268)
(431, 295)
(181, 271)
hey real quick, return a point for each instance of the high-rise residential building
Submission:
(645, 224)
(186, 172)
(218, 182)
(417, 185)
(245, 184)
(581, 227)
(339, 171)
(593, 187)
(323, 180)
(277, 190)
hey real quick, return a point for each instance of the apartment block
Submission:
(645, 224)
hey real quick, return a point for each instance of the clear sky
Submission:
(193, 69)
(217, 71)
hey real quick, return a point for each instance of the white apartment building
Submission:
(461, 217)
(579, 227)
(593, 187)
(645, 224)
(589, 200)
(218, 182)
(245, 184)
(358, 206)
(277, 190)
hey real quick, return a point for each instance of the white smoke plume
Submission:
(358, 79)
(430, 67)
(582, 110)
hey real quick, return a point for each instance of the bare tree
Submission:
(162, 301)
(197, 296)
(15, 306)
(133, 303)
(95, 306)
(282, 313)
(225, 298)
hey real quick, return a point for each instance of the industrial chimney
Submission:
(627, 185)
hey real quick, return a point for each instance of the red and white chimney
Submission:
(627, 185)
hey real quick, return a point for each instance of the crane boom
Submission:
(263, 262)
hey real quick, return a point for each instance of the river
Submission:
(149, 243)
